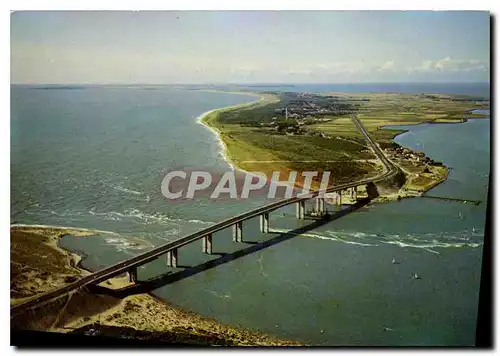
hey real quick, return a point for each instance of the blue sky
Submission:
(244, 47)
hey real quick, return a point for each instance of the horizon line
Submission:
(261, 83)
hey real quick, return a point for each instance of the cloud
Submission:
(449, 64)
(387, 66)
(327, 68)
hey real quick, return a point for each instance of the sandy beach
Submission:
(202, 120)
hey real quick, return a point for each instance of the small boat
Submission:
(394, 261)
(474, 229)
(416, 276)
(460, 215)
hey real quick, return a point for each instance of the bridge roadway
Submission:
(122, 267)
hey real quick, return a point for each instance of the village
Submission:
(299, 110)
(415, 159)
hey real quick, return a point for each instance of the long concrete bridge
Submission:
(170, 250)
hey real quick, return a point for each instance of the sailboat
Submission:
(460, 215)
(416, 276)
(394, 260)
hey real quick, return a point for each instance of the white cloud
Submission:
(387, 66)
(328, 68)
(449, 64)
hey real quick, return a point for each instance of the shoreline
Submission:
(201, 119)
(392, 127)
(103, 311)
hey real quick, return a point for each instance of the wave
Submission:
(121, 242)
(145, 218)
(428, 241)
(134, 215)
(220, 142)
(132, 194)
(58, 227)
(125, 243)
(125, 190)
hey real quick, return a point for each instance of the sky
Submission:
(174, 47)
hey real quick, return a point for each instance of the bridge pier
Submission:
(132, 275)
(320, 205)
(338, 198)
(172, 258)
(264, 223)
(207, 244)
(238, 231)
(301, 209)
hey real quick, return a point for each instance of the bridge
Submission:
(236, 223)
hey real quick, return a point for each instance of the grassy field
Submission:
(255, 148)
(378, 110)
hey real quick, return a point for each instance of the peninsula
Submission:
(286, 131)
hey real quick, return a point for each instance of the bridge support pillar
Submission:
(132, 275)
(301, 209)
(207, 244)
(338, 198)
(172, 258)
(238, 231)
(320, 205)
(264, 223)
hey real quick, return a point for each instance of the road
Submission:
(112, 271)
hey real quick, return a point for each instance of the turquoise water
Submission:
(95, 158)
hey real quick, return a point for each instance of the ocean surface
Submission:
(94, 157)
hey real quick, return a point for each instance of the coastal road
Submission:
(122, 267)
